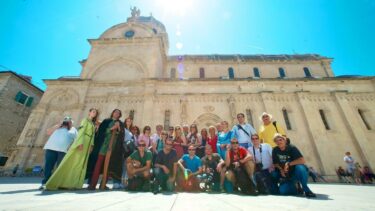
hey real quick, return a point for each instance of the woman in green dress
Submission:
(71, 172)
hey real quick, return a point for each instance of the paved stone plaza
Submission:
(23, 194)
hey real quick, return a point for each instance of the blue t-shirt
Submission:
(192, 164)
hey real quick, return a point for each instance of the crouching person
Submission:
(262, 155)
(190, 167)
(138, 168)
(213, 170)
(290, 168)
(166, 167)
(240, 168)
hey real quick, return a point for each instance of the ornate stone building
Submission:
(129, 68)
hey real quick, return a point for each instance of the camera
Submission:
(258, 167)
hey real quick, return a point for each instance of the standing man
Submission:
(185, 130)
(268, 129)
(61, 137)
(349, 160)
(166, 166)
(156, 136)
(243, 131)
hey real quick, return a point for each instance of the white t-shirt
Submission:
(61, 139)
(266, 157)
(154, 138)
(242, 137)
(349, 163)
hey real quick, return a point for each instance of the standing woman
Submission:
(129, 145)
(146, 137)
(71, 172)
(179, 142)
(204, 140)
(193, 138)
(158, 144)
(212, 138)
(224, 138)
(108, 150)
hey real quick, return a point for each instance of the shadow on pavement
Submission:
(19, 191)
(321, 197)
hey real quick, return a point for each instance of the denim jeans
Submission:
(51, 158)
(288, 187)
(162, 180)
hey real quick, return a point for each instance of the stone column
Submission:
(148, 105)
(315, 134)
(183, 115)
(352, 121)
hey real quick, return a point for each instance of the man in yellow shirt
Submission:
(268, 129)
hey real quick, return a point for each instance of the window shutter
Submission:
(29, 101)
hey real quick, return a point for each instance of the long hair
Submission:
(114, 110)
(131, 125)
(97, 114)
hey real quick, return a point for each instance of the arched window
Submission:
(256, 72)
(201, 73)
(173, 73)
(286, 119)
(282, 72)
(231, 73)
(307, 72)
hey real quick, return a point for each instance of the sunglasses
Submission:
(254, 138)
(142, 145)
(191, 149)
(169, 144)
(235, 142)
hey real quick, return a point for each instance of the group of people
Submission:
(181, 158)
(354, 172)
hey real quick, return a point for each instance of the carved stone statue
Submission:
(135, 12)
(232, 108)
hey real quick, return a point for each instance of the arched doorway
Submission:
(206, 120)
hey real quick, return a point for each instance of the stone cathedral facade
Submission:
(129, 68)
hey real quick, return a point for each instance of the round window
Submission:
(129, 34)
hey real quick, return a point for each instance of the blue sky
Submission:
(45, 39)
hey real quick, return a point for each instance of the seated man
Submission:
(343, 176)
(190, 167)
(315, 176)
(213, 169)
(262, 154)
(368, 176)
(290, 168)
(166, 167)
(138, 167)
(240, 167)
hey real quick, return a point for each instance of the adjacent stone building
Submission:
(18, 96)
(129, 68)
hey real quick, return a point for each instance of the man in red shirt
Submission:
(240, 165)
